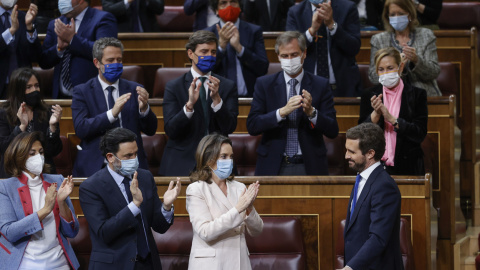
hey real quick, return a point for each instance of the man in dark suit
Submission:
(196, 104)
(271, 15)
(204, 15)
(135, 15)
(122, 207)
(373, 221)
(19, 44)
(332, 30)
(370, 14)
(292, 109)
(241, 55)
(69, 42)
(105, 102)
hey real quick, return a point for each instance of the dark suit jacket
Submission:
(25, 51)
(372, 236)
(270, 94)
(112, 225)
(374, 9)
(344, 45)
(95, 24)
(257, 13)
(52, 146)
(412, 120)
(147, 10)
(184, 134)
(254, 60)
(200, 9)
(89, 111)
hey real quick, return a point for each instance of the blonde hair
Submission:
(406, 5)
(388, 51)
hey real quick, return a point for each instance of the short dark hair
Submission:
(113, 138)
(18, 151)
(214, 4)
(370, 136)
(201, 37)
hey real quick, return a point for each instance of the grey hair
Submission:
(287, 37)
(102, 43)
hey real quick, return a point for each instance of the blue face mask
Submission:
(113, 72)
(65, 6)
(399, 23)
(316, 2)
(206, 63)
(224, 168)
(129, 166)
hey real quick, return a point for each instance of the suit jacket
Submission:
(89, 111)
(96, 24)
(53, 145)
(113, 226)
(257, 13)
(344, 44)
(270, 95)
(25, 52)
(218, 229)
(412, 122)
(254, 62)
(425, 72)
(372, 235)
(431, 13)
(147, 11)
(200, 9)
(18, 222)
(184, 134)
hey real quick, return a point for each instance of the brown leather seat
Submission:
(174, 246)
(81, 244)
(154, 146)
(174, 19)
(274, 68)
(366, 83)
(447, 79)
(64, 160)
(405, 245)
(245, 151)
(164, 75)
(134, 74)
(46, 81)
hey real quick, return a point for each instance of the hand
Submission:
(213, 86)
(142, 99)
(30, 16)
(247, 197)
(193, 93)
(257, 188)
(136, 192)
(326, 14)
(65, 32)
(171, 194)
(22, 115)
(224, 34)
(65, 189)
(61, 45)
(377, 103)
(50, 199)
(307, 103)
(293, 103)
(13, 29)
(56, 116)
(235, 40)
(119, 103)
(410, 53)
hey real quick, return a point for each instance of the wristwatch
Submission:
(314, 113)
(333, 27)
(33, 29)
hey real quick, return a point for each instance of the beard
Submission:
(357, 166)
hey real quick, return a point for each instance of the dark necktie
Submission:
(355, 192)
(12, 63)
(135, 18)
(142, 247)
(322, 52)
(203, 99)
(292, 118)
(65, 71)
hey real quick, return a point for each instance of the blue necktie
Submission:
(355, 192)
(142, 247)
(292, 133)
(203, 99)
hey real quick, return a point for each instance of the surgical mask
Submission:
(316, 2)
(389, 80)
(8, 4)
(33, 99)
(113, 72)
(129, 166)
(224, 168)
(35, 164)
(292, 66)
(206, 63)
(399, 23)
(229, 14)
(64, 6)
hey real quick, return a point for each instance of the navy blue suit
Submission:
(254, 62)
(344, 44)
(184, 134)
(89, 111)
(270, 94)
(200, 9)
(25, 51)
(113, 226)
(95, 24)
(372, 235)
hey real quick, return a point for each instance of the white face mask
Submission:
(292, 66)
(8, 4)
(35, 164)
(389, 80)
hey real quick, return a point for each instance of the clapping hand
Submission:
(55, 118)
(193, 94)
(248, 197)
(65, 189)
(22, 115)
(171, 194)
(135, 190)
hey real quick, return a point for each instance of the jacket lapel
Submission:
(307, 13)
(110, 186)
(282, 90)
(85, 24)
(99, 96)
(24, 194)
(218, 194)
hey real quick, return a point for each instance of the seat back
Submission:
(46, 81)
(174, 246)
(337, 164)
(81, 244)
(64, 161)
(154, 147)
(450, 19)
(164, 75)
(447, 79)
(366, 83)
(245, 150)
(134, 74)
(274, 68)
(174, 19)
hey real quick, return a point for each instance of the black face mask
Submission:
(33, 99)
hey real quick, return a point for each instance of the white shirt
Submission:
(365, 174)
(212, 18)
(362, 10)
(205, 85)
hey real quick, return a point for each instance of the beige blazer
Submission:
(218, 228)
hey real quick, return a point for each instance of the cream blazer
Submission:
(218, 228)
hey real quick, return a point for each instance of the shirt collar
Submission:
(313, 7)
(366, 173)
(80, 16)
(298, 78)
(2, 10)
(196, 74)
(117, 177)
(105, 85)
